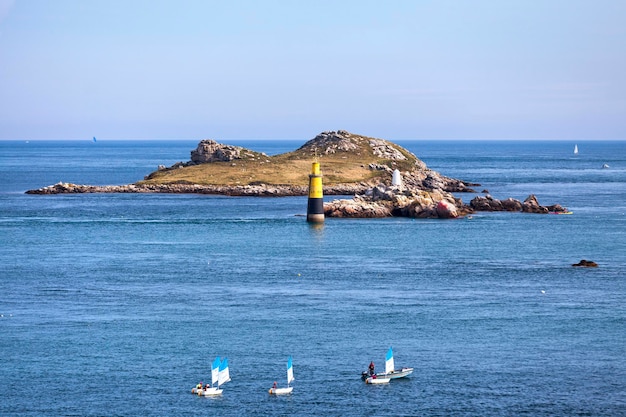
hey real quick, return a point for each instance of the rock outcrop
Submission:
(385, 201)
(587, 264)
(413, 171)
(261, 190)
(384, 178)
(209, 150)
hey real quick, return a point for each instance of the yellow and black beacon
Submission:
(315, 209)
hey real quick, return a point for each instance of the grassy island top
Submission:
(345, 158)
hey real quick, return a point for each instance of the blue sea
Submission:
(116, 304)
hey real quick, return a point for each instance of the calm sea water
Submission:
(117, 304)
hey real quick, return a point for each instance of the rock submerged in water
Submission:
(587, 264)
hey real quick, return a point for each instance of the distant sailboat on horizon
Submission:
(575, 149)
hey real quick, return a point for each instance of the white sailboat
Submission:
(575, 149)
(199, 389)
(287, 390)
(390, 371)
(219, 374)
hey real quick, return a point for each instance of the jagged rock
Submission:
(384, 201)
(486, 203)
(331, 142)
(210, 151)
(556, 208)
(511, 204)
(355, 209)
(586, 263)
(383, 149)
(531, 205)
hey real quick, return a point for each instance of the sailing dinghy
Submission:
(200, 388)
(287, 390)
(390, 371)
(219, 374)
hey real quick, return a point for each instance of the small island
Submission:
(352, 164)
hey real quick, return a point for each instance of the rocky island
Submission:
(352, 164)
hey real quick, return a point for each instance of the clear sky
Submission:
(289, 69)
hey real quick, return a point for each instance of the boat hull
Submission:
(377, 380)
(280, 391)
(210, 392)
(398, 373)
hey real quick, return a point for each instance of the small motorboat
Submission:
(390, 371)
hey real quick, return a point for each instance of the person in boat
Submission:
(275, 385)
(207, 386)
(371, 368)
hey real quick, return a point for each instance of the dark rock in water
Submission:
(511, 204)
(557, 208)
(586, 263)
(530, 205)
(486, 203)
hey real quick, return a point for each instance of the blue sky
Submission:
(264, 69)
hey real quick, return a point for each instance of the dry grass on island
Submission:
(351, 164)
(351, 159)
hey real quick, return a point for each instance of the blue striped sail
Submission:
(215, 369)
(224, 374)
(290, 377)
(389, 365)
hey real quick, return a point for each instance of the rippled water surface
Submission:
(116, 304)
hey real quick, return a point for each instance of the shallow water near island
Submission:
(116, 304)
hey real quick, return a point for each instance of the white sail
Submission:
(290, 377)
(575, 148)
(215, 369)
(389, 365)
(224, 374)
